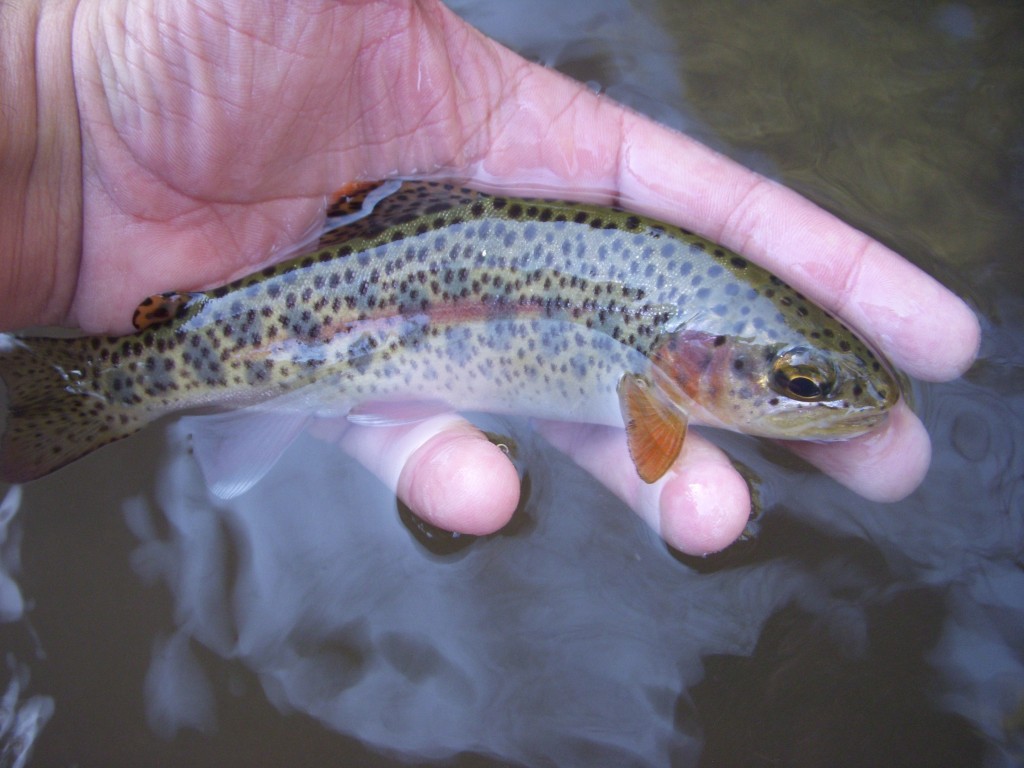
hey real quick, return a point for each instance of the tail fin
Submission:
(55, 412)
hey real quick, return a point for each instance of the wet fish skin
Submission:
(478, 302)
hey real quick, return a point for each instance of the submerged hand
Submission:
(211, 133)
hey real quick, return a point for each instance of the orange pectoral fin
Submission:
(655, 427)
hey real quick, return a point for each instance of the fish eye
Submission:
(802, 375)
(799, 386)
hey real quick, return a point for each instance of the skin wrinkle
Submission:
(130, 144)
(206, 86)
(485, 87)
(686, 205)
(431, 126)
(506, 123)
(47, 136)
(115, 55)
(22, 151)
(618, 166)
(569, 154)
(38, 147)
(376, 65)
(274, 39)
(835, 284)
(744, 222)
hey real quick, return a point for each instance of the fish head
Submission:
(796, 389)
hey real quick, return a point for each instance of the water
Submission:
(146, 624)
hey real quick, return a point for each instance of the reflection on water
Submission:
(21, 718)
(304, 623)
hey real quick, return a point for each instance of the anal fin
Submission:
(235, 450)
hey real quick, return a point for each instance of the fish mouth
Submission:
(827, 426)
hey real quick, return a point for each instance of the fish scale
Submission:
(477, 302)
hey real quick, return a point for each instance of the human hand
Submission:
(211, 133)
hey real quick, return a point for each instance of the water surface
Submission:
(145, 623)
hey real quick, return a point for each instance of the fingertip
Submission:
(970, 341)
(459, 481)
(704, 508)
(905, 446)
(934, 345)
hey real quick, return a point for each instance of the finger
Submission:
(885, 465)
(700, 506)
(443, 469)
(917, 323)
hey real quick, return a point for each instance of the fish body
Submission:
(457, 299)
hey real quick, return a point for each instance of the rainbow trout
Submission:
(454, 299)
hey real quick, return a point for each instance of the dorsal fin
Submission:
(655, 426)
(161, 307)
(365, 211)
(349, 199)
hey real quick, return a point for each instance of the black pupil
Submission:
(801, 386)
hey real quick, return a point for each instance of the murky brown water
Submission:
(305, 624)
